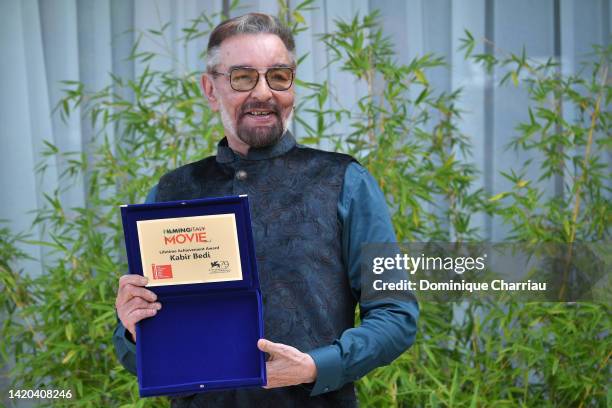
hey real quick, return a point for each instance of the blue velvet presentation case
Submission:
(205, 336)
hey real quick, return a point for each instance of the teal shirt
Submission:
(387, 327)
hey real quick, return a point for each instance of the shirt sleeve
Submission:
(388, 326)
(125, 349)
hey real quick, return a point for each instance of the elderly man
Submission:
(311, 212)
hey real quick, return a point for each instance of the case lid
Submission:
(205, 336)
(186, 230)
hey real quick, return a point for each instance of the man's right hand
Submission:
(134, 302)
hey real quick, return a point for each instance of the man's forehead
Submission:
(254, 50)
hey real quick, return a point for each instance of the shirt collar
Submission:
(226, 155)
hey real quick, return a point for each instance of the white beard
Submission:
(287, 122)
(230, 128)
(228, 124)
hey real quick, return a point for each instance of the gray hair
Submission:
(251, 23)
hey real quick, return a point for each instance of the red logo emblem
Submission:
(162, 271)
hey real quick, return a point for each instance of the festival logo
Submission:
(162, 271)
(219, 267)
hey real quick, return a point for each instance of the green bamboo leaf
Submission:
(420, 76)
(69, 356)
(422, 96)
(69, 332)
(498, 197)
(474, 401)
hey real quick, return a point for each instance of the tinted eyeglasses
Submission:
(243, 79)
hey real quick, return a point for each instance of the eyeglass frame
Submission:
(259, 72)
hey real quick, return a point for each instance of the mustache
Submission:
(259, 105)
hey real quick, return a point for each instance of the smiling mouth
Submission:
(260, 113)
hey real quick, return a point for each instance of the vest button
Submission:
(241, 175)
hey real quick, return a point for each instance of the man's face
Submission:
(258, 117)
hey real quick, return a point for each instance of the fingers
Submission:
(132, 279)
(134, 302)
(138, 314)
(131, 286)
(136, 310)
(140, 303)
(288, 366)
(137, 291)
(277, 349)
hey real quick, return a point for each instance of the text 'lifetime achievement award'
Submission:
(199, 258)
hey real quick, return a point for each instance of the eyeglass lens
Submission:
(245, 79)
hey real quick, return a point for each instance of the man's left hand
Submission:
(287, 365)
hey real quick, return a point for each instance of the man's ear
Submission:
(209, 90)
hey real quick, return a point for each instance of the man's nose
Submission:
(262, 91)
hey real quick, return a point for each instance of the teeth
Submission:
(259, 113)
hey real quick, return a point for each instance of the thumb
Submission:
(263, 345)
(267, 346)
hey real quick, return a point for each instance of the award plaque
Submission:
(198, 256)
(178, 251)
